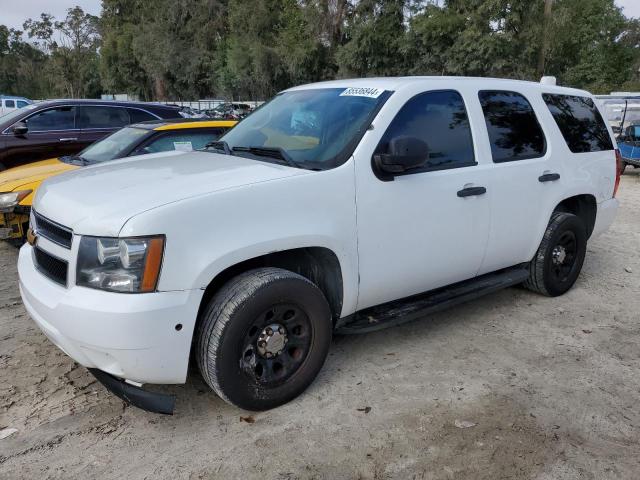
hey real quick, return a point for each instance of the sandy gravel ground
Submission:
(547, 388)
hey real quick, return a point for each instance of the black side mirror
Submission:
(405, 154)
(20, 129)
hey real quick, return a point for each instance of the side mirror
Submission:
(405, 154)
(20, 129)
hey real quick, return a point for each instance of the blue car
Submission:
(623, 114)
(629, 145)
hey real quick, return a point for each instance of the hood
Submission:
(16, 177)
(98, 200)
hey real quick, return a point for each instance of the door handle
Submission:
(70, 139)
(471, 192)
(549, 177)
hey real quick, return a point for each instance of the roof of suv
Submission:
(397, 83)
(116, 103)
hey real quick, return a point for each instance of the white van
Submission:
(347, 206)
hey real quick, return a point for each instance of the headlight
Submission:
(130, 265)
(8, 201)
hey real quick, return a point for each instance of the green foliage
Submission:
(251, 49)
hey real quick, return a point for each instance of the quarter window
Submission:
(440, 120)
(514, 131)
(103, 117)
(59, 118)
(580, 122)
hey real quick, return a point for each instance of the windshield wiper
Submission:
(219, 145)
(271, 152)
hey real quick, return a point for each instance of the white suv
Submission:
(343, 206)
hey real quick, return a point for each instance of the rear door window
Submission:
(440, 120)
(514, 130)
(580, 122)
(58, 118)
(10, 103)
(103, 117)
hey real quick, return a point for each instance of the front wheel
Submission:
(263, 338)
(559, 259)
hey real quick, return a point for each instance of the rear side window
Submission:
(138, 116)
(439, 119)
(10, 103)
(103, 117)
(580, 122)
(514, 130)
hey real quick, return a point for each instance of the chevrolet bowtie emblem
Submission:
(31, 237)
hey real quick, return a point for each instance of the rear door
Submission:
(428, 227)
(98, 121)
(52, 133)
(525, 181)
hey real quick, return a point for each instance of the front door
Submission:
(52, 133)
(428, 227)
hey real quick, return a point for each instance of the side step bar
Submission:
(411, 308)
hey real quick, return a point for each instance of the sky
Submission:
(14, 12)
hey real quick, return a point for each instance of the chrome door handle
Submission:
(70, 139)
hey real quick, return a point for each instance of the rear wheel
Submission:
(263, 338)
(559, 259)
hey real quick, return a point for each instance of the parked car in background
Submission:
(347, 206)
(64, 127)
(18, 185)
(10, 103)
(235, 111)
(623, 112)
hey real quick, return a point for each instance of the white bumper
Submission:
(605, 216)
(131, 336)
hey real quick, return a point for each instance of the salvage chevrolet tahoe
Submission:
(345, 206)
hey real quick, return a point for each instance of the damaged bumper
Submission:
(136, 396)
(13, 225)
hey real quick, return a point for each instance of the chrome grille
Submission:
(51, 267)
(55, 232)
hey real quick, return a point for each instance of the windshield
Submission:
(114, 146)
(7, 117)
(316, 129)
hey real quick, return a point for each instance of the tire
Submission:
(236, 355)
(558, 261)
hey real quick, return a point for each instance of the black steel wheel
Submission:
(559, 259)
(263, 338)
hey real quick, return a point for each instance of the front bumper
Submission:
(130, 336)
(149, 401)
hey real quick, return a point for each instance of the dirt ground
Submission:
(546, 388)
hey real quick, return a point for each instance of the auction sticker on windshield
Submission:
(362, 92)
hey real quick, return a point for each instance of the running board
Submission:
(411, 308)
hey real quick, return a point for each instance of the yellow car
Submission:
(18, 185)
